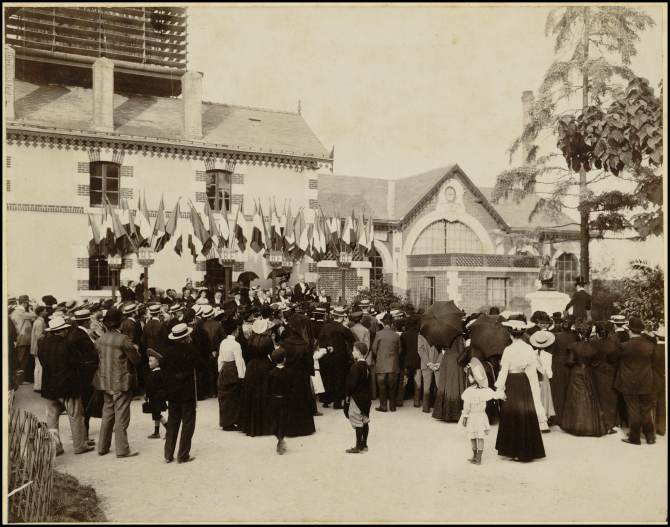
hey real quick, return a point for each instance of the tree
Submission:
(382, 297)
(611, 32)
(643, 294)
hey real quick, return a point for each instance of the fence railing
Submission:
(31, 459)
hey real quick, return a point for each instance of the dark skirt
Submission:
(230, 396)
(603, 375)
(581, 410)
(519, 433)
(299, 405)
(559, 383)
(450, 386)
(255, 416)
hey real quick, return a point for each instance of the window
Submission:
(219, 189)
(567, 269)
(377, 270)
(99, 274)
(444, 237)
(104, 183)
(496, 292)
(429, 291)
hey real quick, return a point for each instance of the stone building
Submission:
(99, 103)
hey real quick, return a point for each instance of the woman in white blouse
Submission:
(231, 375)
(519, 434)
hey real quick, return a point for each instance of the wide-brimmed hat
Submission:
(542, 339)
(635, 325)
(515, 325)
(155, 309)
(618, 320)
(179, 331)
(129, 308)
(260, 326)
(81, 315)
(338, 311)
(153, 353)
(175, 308)
(57, 324)
(364, 303)
(206, 311)
(113, 317)
(396, 314)
(478, 372)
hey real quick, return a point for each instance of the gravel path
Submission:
(416, 471)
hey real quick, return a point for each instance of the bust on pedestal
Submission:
(547, 299)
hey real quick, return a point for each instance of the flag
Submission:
(303, 241)
(187, 239)
(275, 228)
(289, 231)
(238, 232)
(334, 231)
(223, 226)
(159, 224)
(257, 230)
(213, 237)
(346, 232)
(371, 234)
(117, 226)
(323, 239)
(361, 235)
(199, 230)
(132, 228)
(95, 228)
(178, 237)
(170, 228)
(143, 223)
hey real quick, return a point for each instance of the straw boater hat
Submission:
(260, 326)
(478, 373)
(197, 309)
(81, 315)
(618, 320)
(57, 324)
(129, 309)
(542, 339)
(175, 308)
(206, 311)
(179, 331)
(338, 311)
(154, 309)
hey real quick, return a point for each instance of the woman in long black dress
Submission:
(582, 415)
(607, 348)
(255, 417)
(231, 378)
(560, 370)
(299, 368)
(519, 434)
(450, 383)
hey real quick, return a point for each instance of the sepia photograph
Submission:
(320, 263)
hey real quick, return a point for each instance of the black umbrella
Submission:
(488, 336)
(442, 323)
(279, 272)
(246, 277)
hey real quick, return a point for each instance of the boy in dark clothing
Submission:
(279, 388)
(156, 394)
(358, 393)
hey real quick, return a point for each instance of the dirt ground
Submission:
(416, 471)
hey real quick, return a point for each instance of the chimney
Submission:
(191, 93)
(103, 95)
(527, 100)
(390, 200)
(10, 56)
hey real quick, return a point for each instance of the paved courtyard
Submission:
(416, 471)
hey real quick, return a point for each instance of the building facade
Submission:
(95, 124)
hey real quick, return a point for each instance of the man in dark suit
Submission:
(155, 333)
(127, 292)
(338, 340)
(386, 353)
(300, 290)
(132, 328)
(580, 301)
(635, 380)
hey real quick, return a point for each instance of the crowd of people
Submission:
(274, 360)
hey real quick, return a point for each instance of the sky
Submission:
(396, 90)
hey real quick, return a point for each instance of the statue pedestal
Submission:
(547, 301)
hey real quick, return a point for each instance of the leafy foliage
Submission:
(382, 297)
(643, 294)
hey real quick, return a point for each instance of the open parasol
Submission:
(442, 323)
(488, 337)
(246, 277)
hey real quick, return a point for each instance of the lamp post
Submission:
(146, 257)
(344, 263)
(115, 262)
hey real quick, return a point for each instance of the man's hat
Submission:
(338, 311)
(129, 308)
(23, 299)
(542, 339)
(155, 309)
(364, 303)
(153, 353)
(618, 320)
(189, 315)
(635, 325)
(557, 316)
(260, 326)
(57, 324)
(113, 318)
(81, 315)
(49, 300)
(179, 331)
(206, 311)
(580, 281)
(356, 316)
(515, 325)
(175, 308)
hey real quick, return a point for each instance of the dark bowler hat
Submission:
(49, 300)
(635, 325)
(113, 318)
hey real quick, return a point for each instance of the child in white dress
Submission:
(473, 419)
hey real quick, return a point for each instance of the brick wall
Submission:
(330, 279)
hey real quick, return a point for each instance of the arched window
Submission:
(377, 269)
(567, 269)
(218, 188)
(442, 237)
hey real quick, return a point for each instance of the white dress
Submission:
(474, 408)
